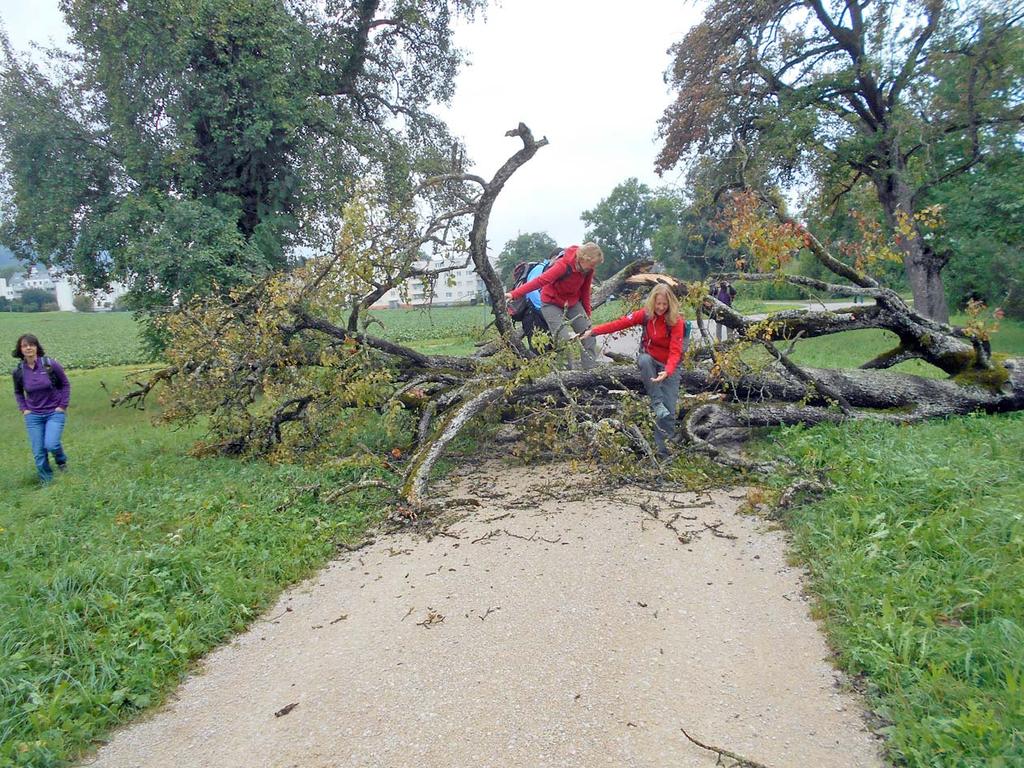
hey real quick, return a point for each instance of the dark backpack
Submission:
(520, 308)
(19, 376)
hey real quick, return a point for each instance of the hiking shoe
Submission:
(63, 467)
(660, 411)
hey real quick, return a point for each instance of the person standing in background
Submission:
(725, 293)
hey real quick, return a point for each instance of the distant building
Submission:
(460, 286)
(103, 301)
(35, 278)
(63, 287)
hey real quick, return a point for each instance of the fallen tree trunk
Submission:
(242, 362)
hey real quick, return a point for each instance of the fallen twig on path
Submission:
(713, 527)
(496, 518)
(433, 617)
(741, 762)
(487, 536)
(532, 537)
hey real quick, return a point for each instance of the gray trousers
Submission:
(563, 323)
(665, 392)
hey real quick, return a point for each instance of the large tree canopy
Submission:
(905, 94)
(187, 145)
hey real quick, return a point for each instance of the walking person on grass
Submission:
(43, 392)
(659, 357)
(565, 289)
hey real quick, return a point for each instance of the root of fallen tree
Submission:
(259, 343)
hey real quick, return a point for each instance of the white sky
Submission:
(585, 74)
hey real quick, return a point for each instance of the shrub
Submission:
(83, 302)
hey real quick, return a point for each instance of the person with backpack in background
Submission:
(659, 357)
(43, 393)
(725, 293)
(565, 289)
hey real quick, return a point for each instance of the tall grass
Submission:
(137, 561)
(917, 562)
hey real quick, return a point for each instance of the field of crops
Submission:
(78, 339)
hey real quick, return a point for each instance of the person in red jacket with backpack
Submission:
(660, 356)
(565, 296)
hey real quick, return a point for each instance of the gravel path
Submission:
(540, 630)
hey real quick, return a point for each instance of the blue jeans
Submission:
(44, 433)
(665, 392)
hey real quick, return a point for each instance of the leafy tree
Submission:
(9, 271)
(623, 225)
(185, 147)
(903, 94)
(635, 222)
(36, 300)
(529, 246)
(984, 215)
(687, 242)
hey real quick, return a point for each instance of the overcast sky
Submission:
(587, 75)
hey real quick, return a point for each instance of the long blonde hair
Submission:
(672, 315)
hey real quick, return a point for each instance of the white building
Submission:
(63, 286)
(103, 301)
(460, 286)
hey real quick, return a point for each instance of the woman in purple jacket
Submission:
(43, 392)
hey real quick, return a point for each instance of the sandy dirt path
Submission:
(540, 630)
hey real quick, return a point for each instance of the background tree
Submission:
(687, 242)
(36, 300)
(902, 94)
(623, 224)
(83, 302)
(185, 147)
(529, 246)
(984, 213)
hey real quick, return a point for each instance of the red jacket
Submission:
(660, 340)
(561, 284)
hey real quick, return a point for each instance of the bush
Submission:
(83, 302)
(121, 304)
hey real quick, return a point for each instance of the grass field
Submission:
(78, 339)
(137, 561)
(142, 558)
(917, 564)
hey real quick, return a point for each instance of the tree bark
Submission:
(922, 266)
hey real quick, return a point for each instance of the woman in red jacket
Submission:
(660, 356)
(565, 296)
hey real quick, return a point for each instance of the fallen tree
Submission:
(281, 366)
